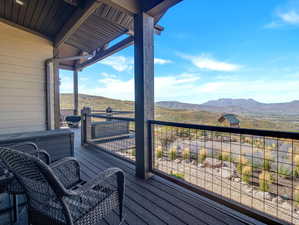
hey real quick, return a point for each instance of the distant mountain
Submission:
(238, 106)
(184, 112)
(178, 105)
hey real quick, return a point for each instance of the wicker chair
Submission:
(14, 187)
(57, 195)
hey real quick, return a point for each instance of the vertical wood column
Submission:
(85, 125)
(56, 95)
(76, 94)
(144, 89)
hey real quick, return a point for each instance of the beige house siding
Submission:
(22, 80)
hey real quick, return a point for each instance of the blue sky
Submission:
(211, 49)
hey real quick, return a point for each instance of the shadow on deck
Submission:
(156, 201)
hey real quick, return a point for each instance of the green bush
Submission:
(159, 152)
(246, 174)
(283, 171)
(177, 175)
(225, 156)
(265, 180)
(186, 154)
(267, 161)
(296, 195)
(202, 155)
(172, 154)
(133, 152)
(241, 163)
(296, 162)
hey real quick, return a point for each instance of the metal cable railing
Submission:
(244, 168)
(115, 135)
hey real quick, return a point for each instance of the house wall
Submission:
(22, 80)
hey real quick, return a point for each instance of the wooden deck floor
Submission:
(156, 201)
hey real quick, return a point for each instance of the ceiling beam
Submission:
(78, 17)
(131, 6)
(107, 52)
(156, 8)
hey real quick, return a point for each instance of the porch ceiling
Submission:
(101, 27)
(81, 26)
(43, 16)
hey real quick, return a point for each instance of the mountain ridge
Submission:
(238, 106)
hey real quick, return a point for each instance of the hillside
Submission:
(238, 106)
(180, 114)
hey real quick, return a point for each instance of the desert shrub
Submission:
(159, 152)
(265, 180)
(186, 153)
(225, 156)
(166, 137)
(296, 195)
(267, 161)
(202, 155)
(172, 154)
(246, 174)
(177, 175)
(284, 171)
(248, 140)
(133, 152)
(296, 164)
(241, 163)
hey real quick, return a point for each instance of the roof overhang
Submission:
(79, 27)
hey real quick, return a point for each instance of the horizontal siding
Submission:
(22, 80)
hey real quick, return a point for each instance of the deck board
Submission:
(156, 201)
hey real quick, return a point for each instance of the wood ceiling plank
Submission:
(29, 12)
(37, 13)
(78, 18)
(45, 11)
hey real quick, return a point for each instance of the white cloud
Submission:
(122, 63)
(119, 63)
(66, 84)
(189, 88)
(104, 74)
(165, 87)
(286, 14)
(162, 61)
(208, 63)
(83, 78)
(290, 17)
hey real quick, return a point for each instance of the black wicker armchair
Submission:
(57, 195)
(14, 187)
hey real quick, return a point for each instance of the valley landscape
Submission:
(252, 114)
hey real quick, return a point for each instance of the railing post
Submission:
(85, 125)
(144, 89)
(76, 95)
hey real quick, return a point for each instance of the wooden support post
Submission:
(144, 89)
(85, 125)
(76, 95)
(56, 95)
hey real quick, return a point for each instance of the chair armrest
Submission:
(42, 155)
(99, 180)
(99, 196)
(67, 170)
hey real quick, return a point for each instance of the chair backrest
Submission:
(42, 188)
